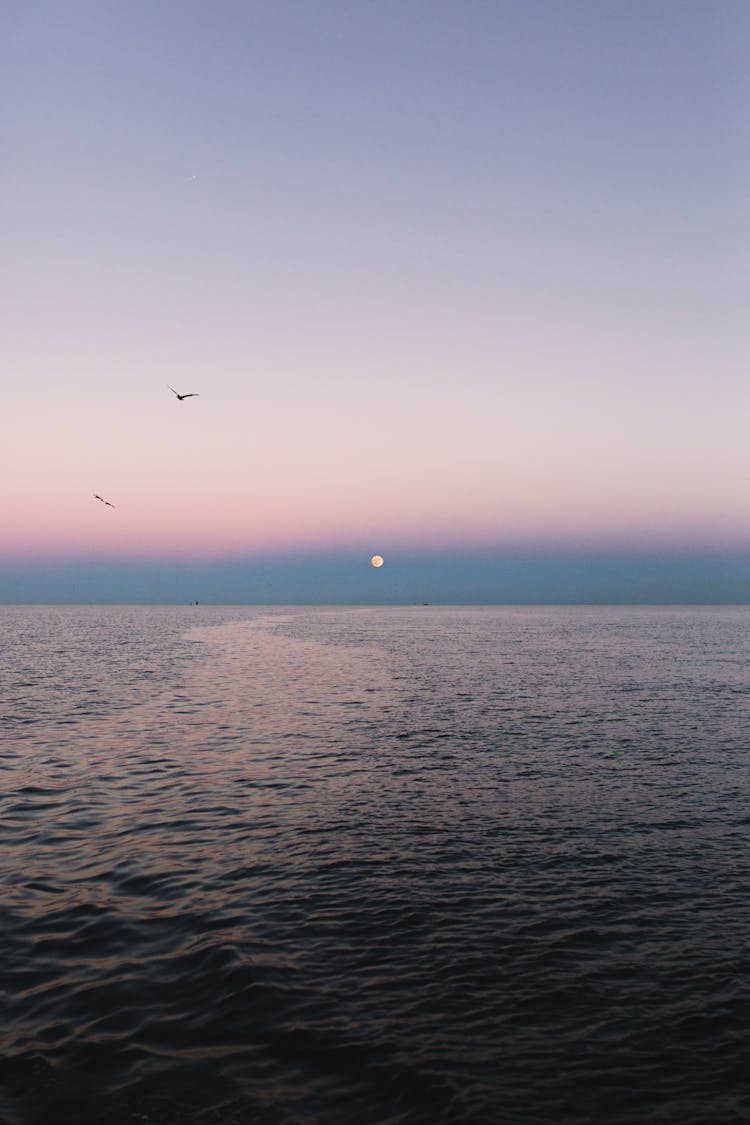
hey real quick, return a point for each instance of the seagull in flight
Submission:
(98, 497)
(193, 394)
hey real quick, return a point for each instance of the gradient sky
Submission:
(447, 277)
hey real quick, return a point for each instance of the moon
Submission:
(377, 560)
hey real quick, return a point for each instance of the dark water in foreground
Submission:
(375, 866)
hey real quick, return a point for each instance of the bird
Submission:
(98, 497)
(193, 394)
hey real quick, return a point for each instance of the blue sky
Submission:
(455, 280)
(570, 576)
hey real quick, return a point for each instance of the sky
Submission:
(459, 283)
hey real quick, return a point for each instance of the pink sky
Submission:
(499, 302)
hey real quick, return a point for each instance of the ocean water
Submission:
(393, 865)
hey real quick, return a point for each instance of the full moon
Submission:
(377, 560)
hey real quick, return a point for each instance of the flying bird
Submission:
(193, 394)
(98, 497)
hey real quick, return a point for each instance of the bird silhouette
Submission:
(98, 497)
(193, 394)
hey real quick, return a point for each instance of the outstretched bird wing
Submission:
(193, 394)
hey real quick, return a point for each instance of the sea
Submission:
(377, 865)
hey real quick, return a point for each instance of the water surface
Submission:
(374, 865)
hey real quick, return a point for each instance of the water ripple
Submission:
(383, 866)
